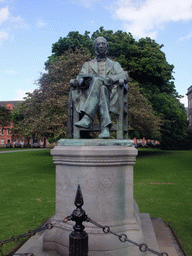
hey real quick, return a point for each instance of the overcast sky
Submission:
(29, 28)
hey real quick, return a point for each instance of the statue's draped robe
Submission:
(91, 95)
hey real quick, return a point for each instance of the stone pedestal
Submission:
(105, 174)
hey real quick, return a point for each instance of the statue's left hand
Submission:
(108, 81)
(74, 83)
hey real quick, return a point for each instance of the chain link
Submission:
(30, 233)
(20, 254)
(106, 229)
(68, 218)
(123, 238)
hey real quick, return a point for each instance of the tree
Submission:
(147, 65)
(143, 59)
(175, 125)
(153, 98)
(44, 112)
(5, 116)
(143, 120)
(73, 41)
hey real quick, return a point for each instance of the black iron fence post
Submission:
(78, 239)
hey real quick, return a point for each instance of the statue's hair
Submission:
(100, 37)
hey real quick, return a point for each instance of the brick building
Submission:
(5, 132)
(189, 112)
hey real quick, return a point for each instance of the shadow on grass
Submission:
(153, 152)
(46, 153)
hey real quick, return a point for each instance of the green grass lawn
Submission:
(10, 149)
(162, 188)
(27, 197)
(13, 149)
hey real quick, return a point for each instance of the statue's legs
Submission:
(98, 99)
(105, 118)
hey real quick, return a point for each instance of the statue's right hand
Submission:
(121, 82)
(108, 81)
(80, 81)
(74, 83)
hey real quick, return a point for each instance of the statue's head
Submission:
(100, 45)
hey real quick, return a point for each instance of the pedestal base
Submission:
(105, 174)
(35, 244)
(57, 239)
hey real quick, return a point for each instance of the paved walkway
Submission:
(22, 150)
(165, 238)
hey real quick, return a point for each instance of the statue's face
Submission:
(101, 47)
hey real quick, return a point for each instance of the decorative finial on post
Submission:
(78, 198)
(78, 239)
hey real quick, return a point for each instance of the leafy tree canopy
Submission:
(146, 64)
(175, 125)
(5, 116)
(143, 59)
(44, 112)
(152, 93)
(143, 120)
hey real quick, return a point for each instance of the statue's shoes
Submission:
(85, 122)
(104, 134)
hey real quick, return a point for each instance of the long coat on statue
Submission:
(113, 70)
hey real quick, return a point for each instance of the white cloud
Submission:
(4, 15)
(188, 36)
(41, 23)
(86, 3)
(20, 94)
(184, 100)
(10, 72)
(18, 22)
(8, 23)
(3, 35)
(151, 15)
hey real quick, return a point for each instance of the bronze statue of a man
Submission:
(98, 79)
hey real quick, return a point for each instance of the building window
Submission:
(2, 141)
(8, 131)
(2, 131)
(190, 102)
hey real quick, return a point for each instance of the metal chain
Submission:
(123, 238)
(24, 254)
(106, 229)
(30, 233)
(20, 254)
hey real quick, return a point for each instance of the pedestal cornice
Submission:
(94, 155)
